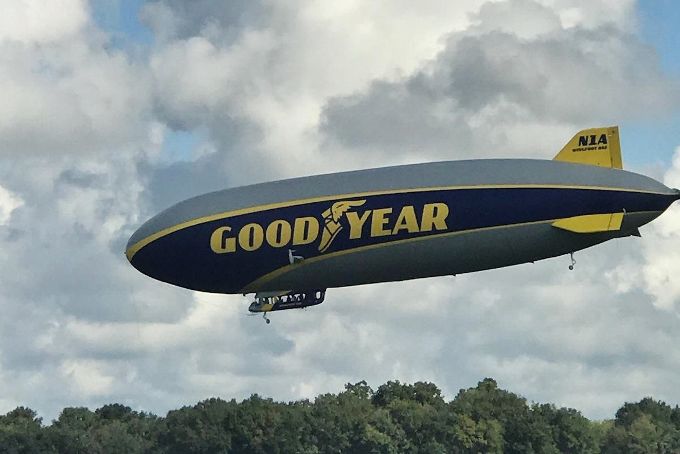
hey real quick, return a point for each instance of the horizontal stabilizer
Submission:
(591, 223)
(595, 147)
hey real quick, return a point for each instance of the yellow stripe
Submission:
(132, 250)
(280, 271)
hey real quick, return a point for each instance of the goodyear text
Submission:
(373, 223)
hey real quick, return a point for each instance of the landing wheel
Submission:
(267, 320)
(571, 267)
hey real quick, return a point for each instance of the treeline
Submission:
(395, 418)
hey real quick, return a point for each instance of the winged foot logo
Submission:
(430, 217)
(332, 218)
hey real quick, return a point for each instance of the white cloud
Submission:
(38, 22)
(87, 377)
(526, 19)
(501, 88)
(8, 203)
(662, 251)
(73, 97)
(587, 14)
(672, 176)
(278, 71)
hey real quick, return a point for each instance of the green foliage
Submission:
(395, 418)
(470, 436)
(21, 432)
(112, 428)
(201, 428)
(571, 431)
(648, 426)
(523, 430)
(71, 432)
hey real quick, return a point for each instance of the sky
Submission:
(115, 110)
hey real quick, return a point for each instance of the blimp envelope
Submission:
(397, 223)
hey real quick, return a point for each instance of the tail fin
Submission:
(591, 223)
(596, 147)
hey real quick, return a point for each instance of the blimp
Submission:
(289, 241)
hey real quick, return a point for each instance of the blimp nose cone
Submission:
(153, 251)
(174, 247)
(129, 249)
(140, 238)
(146, 249)
(159, 226)
(133, 246)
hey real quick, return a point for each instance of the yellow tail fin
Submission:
(596, 147)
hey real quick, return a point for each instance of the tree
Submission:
(470, 436)
(419, 392)
(571, 431)
(21, 432)
(200, 429)
(115, 437)
(645, 426)
(262, 427)
(395, 418)
(339, 422)
(71, 431)
(523, 431)
(419, 412)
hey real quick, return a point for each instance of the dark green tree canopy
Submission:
(394, 418)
